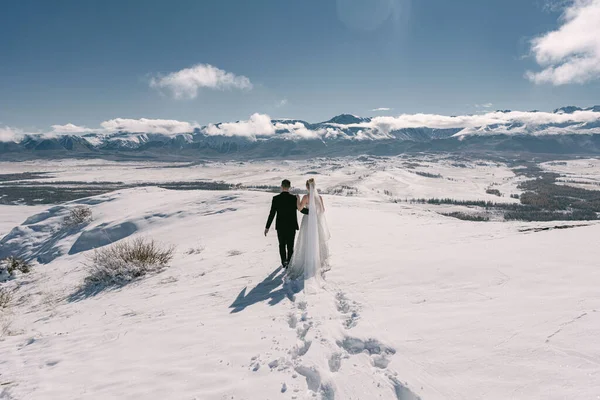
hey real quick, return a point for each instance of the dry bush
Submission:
(10, 265)
(6, 297)
(125, 261)
(195, 250)
(78, 215)
(6, 300)
(5, 324)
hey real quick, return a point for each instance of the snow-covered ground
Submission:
(581, 173)
(368, 177)
(11, 216)
(417, 305)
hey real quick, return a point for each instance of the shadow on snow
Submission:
(272, 288)
(88, 290)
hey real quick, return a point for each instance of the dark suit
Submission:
(284, 207)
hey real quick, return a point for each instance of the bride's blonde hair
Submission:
(309, 182)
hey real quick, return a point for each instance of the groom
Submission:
(285, 206)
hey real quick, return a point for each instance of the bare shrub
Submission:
(125, 261)
(10, 265)
(345, 190)
(77, 216)
(195, 250)
(5, 325)
(6, 297)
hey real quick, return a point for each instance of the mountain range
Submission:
(566, 130)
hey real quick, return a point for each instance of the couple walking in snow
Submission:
(308, 258)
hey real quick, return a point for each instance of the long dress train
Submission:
(311, 252)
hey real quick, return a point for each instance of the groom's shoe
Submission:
(285, 265)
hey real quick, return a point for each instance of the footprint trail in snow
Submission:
(327, 361)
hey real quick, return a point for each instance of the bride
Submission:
(311, 252)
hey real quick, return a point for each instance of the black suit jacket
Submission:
(285, 206)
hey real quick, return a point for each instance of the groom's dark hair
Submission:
(285, 184)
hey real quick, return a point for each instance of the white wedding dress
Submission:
(311, 252)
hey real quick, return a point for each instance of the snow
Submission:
(371, 176)
(11, 216)
(417, 305)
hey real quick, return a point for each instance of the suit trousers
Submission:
(286, 239)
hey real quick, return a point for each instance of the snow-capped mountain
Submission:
(565, 130)
(572, 109)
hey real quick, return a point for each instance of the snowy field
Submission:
(417, 305)
(367, 177)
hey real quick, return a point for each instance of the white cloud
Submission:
(533, 120)
(570, 54)
(8, 134)
(556, 5)
(281, 103)
(381, 109)
(187, 82)
(299, 130)
(261, 126)
(486, 105)
(144, 125)
(70, 128)
(257, 125)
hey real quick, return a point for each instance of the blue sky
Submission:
(84, 62)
